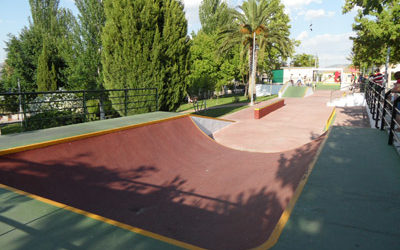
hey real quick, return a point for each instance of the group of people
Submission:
(378, 79)
(300, 80)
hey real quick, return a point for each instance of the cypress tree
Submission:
(176, 56)
(145, 44)
(45, 79)
(53, 78)
(85, 69)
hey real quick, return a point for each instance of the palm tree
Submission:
(257, 24)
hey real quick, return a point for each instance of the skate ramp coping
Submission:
(351, 100)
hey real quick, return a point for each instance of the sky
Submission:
(329, 38)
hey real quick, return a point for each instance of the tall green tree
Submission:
(49, 22)
(367, 6)
(213, 15)
(304, 60)
(84, 60)
(258, 24)
(145, 44)
(376, 31)
(53, 24)
(21, 62)
(46, 76)
(211, 70)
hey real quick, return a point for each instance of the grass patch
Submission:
(216, 102)
(11, 129)
(218, 112)
(223, 101)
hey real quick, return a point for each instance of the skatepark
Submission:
(307, 175)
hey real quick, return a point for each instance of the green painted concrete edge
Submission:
(26, 223)
(351, 200)
(39, 136)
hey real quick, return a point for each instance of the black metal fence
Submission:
(384, 109)
(37, 110)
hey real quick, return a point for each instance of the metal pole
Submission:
(20, 102)
(386, 67)
(156, 99)
(84, 106)
(126, 102)
(253, 71)
(392, 122)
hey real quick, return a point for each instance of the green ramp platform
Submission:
(352, 197)
(295, 91)
(57, 133)
(27, 223)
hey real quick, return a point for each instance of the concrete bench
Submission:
(263, 111)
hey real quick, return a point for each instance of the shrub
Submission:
(52, 118)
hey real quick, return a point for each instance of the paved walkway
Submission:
(352, 197)
(300, 121)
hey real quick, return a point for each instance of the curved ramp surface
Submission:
(168, 178)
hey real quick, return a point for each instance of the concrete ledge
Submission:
(263, 111)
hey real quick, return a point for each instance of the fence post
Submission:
(384, 109)
(379, 93)
(156, 99)
(126, 102)
(24, 111)
(392, 122)
(84, 106)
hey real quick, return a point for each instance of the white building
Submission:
(326, 75)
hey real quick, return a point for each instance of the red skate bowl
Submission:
(168, 178)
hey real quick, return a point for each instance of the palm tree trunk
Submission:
(250, 92)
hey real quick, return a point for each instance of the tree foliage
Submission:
(367, 6)
(209, 70)
(48, 22)
(46, 76)
(304, 60)
(267, 21)
(213, 15)
(84, 60)
(22, 57)
(375, 33)
(145, 44)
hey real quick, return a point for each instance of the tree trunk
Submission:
(249, 92)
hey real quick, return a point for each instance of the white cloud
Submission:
(330, 48)
(192, 14)
(192, 3)
(303, 35)
(314, 14)
(299, 3)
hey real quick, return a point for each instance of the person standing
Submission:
(291, 79)
(299, 80)
(378, 78)
(396, 94)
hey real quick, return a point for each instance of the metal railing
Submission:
(38, 110)
(384, 109)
